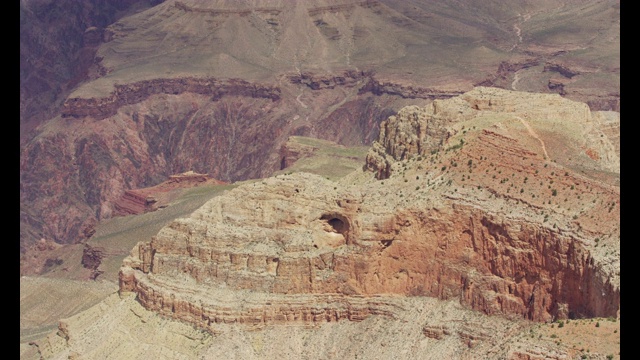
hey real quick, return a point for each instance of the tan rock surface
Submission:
(509, 215)
(298, 233)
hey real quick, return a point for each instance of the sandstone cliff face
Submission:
(301, 234)
(419, 131)
(139, 201)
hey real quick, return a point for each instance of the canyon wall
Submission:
(133, 93)
(302, 235)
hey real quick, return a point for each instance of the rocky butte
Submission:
(496, 202)
(299, 234)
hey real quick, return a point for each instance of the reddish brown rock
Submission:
(300, 234)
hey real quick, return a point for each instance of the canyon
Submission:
(424, 218)
(131, 111)
(358, 179)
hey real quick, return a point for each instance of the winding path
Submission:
(533, 133)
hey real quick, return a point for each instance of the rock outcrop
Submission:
(416, 131)
(367, 83)
(133, 93)
(301, 236)
(196, 95)
(139, 201)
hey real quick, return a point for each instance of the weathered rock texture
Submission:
(139, 201)
(100, 108)
(58, 43)
(189, 85)
(351, 78)
(301, 239)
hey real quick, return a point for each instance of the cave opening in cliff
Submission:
(338, 223)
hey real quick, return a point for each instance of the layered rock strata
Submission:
(302, 234)
(139, 201)
(133, 93)
(416, 131)
(367, 83)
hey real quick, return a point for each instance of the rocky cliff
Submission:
(100, 108)
(441, 224)
(135, 91)
(139, 201)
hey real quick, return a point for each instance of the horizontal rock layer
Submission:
(369, 84)
(132, 93)
(303, 234)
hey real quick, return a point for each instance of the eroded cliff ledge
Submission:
(133, 93)
(442, 224)
(368, 83)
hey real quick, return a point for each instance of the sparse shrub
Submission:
(554, 192)
(443, 168)
(597, 324)
(560, 324)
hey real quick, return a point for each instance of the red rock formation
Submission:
(139, 201)
(133, 93)
(303, 235)
(369, 84)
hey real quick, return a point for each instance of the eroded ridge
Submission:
(291, 240)
(133, 93)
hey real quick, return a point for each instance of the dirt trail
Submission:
(533, 133)
(516, 78)
(295, 60)
(518, 30)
